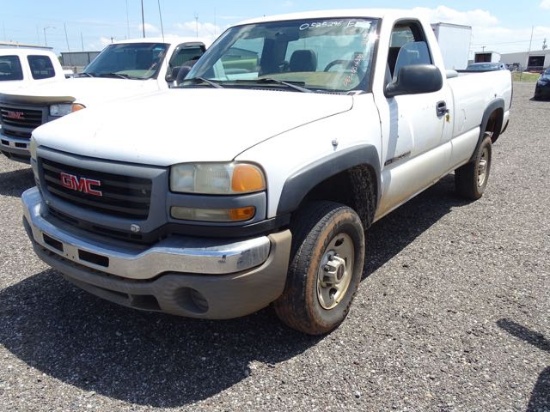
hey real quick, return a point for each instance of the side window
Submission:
(407, 46)
(10, 68)
(41, 67)
(243, 58)
(412, 53)
(185, 56)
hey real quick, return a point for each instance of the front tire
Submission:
(471, 178)
(327, 257)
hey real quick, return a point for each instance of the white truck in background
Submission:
(22, 67)
(253, 182)
(123, 69)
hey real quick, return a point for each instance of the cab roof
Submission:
(392, 14)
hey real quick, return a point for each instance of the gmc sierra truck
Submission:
(123, 69)
(252, 183)
(23, 67)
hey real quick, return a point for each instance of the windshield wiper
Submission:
(119, 76)
(198, 80)
(268, 80)
(84, 74)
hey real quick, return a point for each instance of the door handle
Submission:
(441, 109)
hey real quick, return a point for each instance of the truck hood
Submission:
(186, 125)
(10, 86)
(88, 91)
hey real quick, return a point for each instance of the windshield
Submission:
(328, 55)
(131, 60)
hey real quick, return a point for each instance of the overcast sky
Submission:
(497, 25)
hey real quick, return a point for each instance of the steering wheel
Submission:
(346, 64)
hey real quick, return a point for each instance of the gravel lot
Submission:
(452, 315)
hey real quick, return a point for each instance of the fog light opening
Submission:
(192, 300)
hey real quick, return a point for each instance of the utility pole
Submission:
(142, 19)
(45, 38)
(161, 25)
(127, 22)
(67, 37)
(197, 24)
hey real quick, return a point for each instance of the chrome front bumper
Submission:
(15, 148)
(189, 276)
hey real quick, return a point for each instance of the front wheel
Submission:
(327, 258)
(471, 179)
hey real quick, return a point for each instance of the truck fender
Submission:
(495, 105)
(297, 187)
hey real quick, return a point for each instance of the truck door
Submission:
(416, 144)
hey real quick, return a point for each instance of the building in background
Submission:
(533, 61)
(76, 61)
(487, 57)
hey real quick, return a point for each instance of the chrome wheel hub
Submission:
(336, 270)
(482, 168)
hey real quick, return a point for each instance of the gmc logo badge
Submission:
(82, 184)
(15, 115)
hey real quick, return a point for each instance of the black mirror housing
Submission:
(415, 79)
(173, 74)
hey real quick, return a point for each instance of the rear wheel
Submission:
(328, 249)
(471, 179)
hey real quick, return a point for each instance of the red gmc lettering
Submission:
(15, 115)
(82, 184)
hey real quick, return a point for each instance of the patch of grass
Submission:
(525, 77)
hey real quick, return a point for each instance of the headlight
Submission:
(62, 109)
(32, 147)
(217, 178)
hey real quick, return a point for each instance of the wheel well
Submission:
(494, 124)
(356, 187)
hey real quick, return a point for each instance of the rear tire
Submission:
(327, 257)
(471, 179)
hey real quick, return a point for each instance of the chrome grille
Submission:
(112, 194)
(20, 118)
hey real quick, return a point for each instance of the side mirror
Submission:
(172, 75)
(415, 79)
(183, 71)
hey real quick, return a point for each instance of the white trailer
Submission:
(454, 42)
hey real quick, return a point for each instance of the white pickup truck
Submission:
(23, 67)
(123, 69)
(253, 182)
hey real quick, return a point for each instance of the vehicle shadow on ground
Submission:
(390, 235)
(137, 357)
(167, 361)
(16, 182)
(540, 396)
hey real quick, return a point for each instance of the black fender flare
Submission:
(298, 185)
(494, 105)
